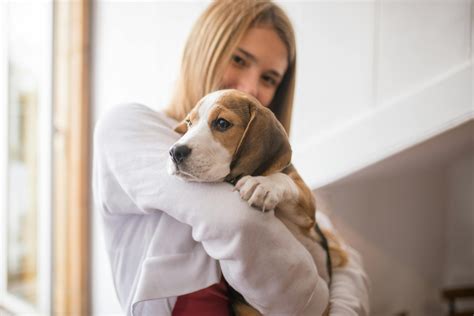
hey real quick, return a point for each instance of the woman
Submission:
(169, 241)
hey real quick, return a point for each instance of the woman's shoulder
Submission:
(132, 113)
(132, 118)
(131, 125)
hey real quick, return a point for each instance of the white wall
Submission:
(416, 83)
(419, 41)
(374, 78)
(335, 63)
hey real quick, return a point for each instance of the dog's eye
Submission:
(189, 123)
(221, 124)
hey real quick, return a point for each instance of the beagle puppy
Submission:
(229, 136)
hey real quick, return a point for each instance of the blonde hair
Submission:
(209, 48)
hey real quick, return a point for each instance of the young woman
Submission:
(170, 242)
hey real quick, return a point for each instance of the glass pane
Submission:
(24, 73)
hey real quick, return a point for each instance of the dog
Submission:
(229, 136)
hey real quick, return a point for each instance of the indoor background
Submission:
(383, 132)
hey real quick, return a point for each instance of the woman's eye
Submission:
(270, 80)
(222, 124)
(238, 60)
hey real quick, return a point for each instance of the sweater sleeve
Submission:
(349, 288)
(259, 257)
(349, 292)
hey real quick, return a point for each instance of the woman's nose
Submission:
(248, 84)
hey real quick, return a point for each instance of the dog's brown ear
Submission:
(182, 127)
(264, 147)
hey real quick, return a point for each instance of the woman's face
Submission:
(257, 65)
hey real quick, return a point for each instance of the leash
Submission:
(325, 244)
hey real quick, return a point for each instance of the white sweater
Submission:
(166, 237)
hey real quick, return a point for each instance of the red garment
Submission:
(211, 301)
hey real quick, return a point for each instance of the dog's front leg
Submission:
(266, 192)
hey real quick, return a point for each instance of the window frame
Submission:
(71, 156)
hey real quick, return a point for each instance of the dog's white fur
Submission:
(210, 160)
(267, 192)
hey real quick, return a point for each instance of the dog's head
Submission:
(227, 135)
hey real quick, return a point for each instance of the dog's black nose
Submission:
(179, 153)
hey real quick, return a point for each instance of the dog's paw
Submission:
(261, 192)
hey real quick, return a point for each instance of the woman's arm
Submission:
(349, 288)
(258, 255)
(349, 292)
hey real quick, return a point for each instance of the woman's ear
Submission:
(182, 127)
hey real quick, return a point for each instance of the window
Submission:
(26, 212)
